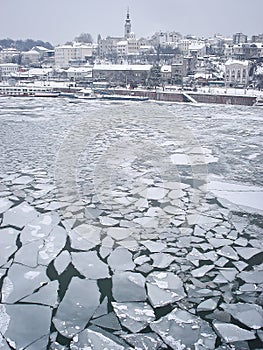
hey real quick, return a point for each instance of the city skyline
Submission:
(58, 22)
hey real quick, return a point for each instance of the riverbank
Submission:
(215, 97)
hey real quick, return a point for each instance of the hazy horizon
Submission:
(60, 21)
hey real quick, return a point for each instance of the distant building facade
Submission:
(121, 73)
(8, 69)
(237, 73)
(66, 55)
(239, 38)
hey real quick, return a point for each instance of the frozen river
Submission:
(130, 225)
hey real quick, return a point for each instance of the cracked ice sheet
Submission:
(39, 228)
(149, 341)
(8, 237)
(19, 215)
(23, 325)
(121, 259)
(42, 251)
(77, 307)
(128, 286)
(5, 204)
(241, 195)
(232, 333)
(164, 288)
(85, 237)
(22, 281)
(89, 265)
(250, 315)
(134, 316)
(180, 329)
(93, 339)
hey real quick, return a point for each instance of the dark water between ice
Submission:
(130, 225)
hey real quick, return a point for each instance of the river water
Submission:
(130, 225)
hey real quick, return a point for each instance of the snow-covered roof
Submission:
(8, 65)
(166, 69)
(122, 67)
(79, 69)
(39, 71)
(31, 52)
(122, 43)
(41, 48)
(258, 45)
(196, 46)
(242, 63)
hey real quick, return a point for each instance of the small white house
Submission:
(8, 69)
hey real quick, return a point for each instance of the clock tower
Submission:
(127, 26)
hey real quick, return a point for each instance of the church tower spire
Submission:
(127, 26)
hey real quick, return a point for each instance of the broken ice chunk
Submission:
(250, 315)
(89, 265)
(229, 273)
(62, 261)
(19, 215)
(85, 237)
(161, 260)
(232, 333)
(180, 330)
(107, 221)
(202, 271)
(91, 339)
(251, 276)
(164, 288)
(53, 244)
(119, 233)
(46, 295)
(154, 247)
(141, 260)
(22, 180)
(22, 281)
(155, 193)
(26, 325)
(228, 252)
(5, 204)
(102, 308)
(219, 242)
(39, 228)
(8, 237)
(208, 304)
(77, 306)
(109, 321)
(121, 260)
(128, 286)
(28, 253)
(134, 316)
(148, 341)
(247, 252)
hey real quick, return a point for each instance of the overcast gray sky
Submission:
(59, 21)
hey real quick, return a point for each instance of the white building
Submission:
(237, 72)
(122, 48)
(129, 46)
(7, 55)
(70, 54)
(79, 73)
(183, 46)
(197, 50)
(8, 69)
(166, 38)
(31, 56)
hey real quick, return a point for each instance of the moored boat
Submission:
(27, 91)
(86, 94)
(124, 98)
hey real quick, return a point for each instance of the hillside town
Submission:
(166, 58)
